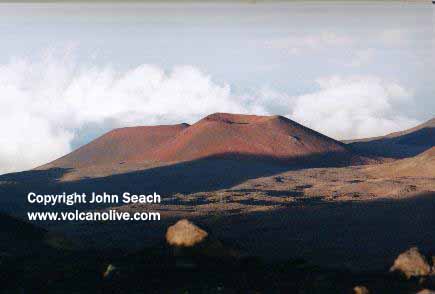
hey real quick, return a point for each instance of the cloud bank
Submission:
(294, 44)
(354, 107)
(46, 102)
(298, 43)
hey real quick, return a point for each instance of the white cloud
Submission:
(296, 44)
(392, 37)
(44, 102)
(353, 107)
(362, 57)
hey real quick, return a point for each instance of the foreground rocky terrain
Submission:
(287, 210)
(190, 259)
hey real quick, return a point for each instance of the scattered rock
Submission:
(426, 291)
(189, 240)
(185, 234)
(295, 139)
(279, 179)
(411, 263)
(355, 181)
(111, 272)
(408, 189)
(355, 194)
(302, 187)
(361, 290)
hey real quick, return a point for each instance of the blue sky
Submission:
(70, 72)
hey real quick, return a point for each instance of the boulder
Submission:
(188, 240)
(111, 272)
(426, 291)
(185, 234)
(411, 263)
(361, 290)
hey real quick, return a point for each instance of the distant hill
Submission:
(220, 135)
(217, 152)
(422, 165)
(402, 144)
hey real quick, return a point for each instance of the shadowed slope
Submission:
(21, 238)
(427, 125)
(402, 144)
(14, 229)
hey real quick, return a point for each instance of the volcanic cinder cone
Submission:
(219, 135)
(133, 144)
(223, 135)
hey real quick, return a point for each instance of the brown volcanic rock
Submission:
(361, 290)
(411, 263)
(133, 144)
(426, 291)
(274, 137)
(185, 234)
(188, 240)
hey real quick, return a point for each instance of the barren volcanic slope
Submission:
(274, 137)
(120, 146)
(422, 165)
(399, 144)
(218, 135)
